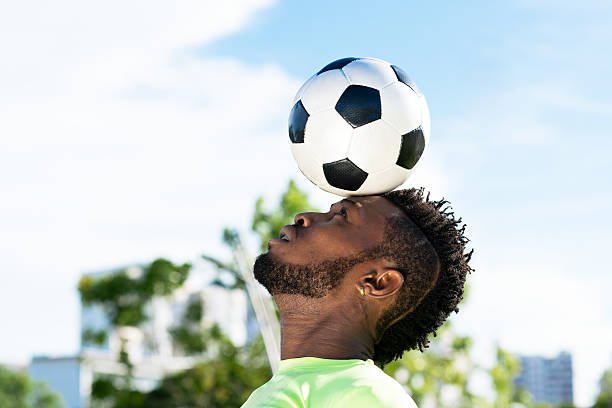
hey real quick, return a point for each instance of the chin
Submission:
(279, 277)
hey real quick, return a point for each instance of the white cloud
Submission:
(117, 146)
(42, 42)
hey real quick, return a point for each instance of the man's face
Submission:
(320, 248)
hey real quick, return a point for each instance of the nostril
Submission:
(300, 219)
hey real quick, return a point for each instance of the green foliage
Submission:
(267, 223)
(224, 381)
(91, 336)
(447, 364)
(42, 397)
(123, 297)
(228, 374)
(228, 274)
(502, 373)
(604, 399)
(231, 374)
(103, 387)
(162, 277)
(194, 311)
(109, 391)
(17, 390)
(190, 335)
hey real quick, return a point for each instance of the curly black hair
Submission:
(430, 248)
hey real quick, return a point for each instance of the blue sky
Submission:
(117, 146)
(528, 84)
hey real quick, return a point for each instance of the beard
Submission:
(313, 280)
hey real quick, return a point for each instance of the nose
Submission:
(304, 219)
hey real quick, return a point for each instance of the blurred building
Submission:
(547, 379)
(150, 347)
(64, 376)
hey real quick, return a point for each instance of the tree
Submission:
(229, 378)
(266, 224)
(238, 272)
(604, 399)
(17, 390)
(124, 295)
(440, 375)
(224, 381)
(226, 374)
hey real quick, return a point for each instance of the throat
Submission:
(315, 328)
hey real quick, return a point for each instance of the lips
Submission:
(287, 233)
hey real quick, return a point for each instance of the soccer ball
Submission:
(358, 127)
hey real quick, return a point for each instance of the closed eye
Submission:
(343, 201)
(342, 212)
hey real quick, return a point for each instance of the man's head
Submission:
(399, 256)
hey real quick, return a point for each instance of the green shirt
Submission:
(310, 382)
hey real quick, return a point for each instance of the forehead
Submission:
(375, 205)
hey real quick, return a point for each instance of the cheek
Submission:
(331, 247)
(308, 251)
(326, 242)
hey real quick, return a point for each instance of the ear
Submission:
(381, 281)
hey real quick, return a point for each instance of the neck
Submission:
(323, 328)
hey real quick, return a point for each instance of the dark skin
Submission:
(340, 325)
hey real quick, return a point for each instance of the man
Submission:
(356, 287)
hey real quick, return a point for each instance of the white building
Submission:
(150, 347)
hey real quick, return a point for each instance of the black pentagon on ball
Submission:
(297, 122)
(413, 144)
(337, 64)
(359, 105)
(403, 77)
(344, 174)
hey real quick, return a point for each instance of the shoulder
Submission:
(376, 389)
(370, 397)
(276, 393)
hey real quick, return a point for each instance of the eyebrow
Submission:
(356, 203)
